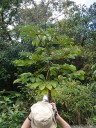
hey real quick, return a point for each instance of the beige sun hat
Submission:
(42, 115)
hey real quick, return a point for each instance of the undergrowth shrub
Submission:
(75, 102)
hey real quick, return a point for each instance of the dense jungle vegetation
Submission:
(41, 54)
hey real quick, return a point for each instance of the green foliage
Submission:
(8, 47)
(49, 50)
(11, 112)
(12, 118)
(8, 12)
(79, 24)
(75, 102)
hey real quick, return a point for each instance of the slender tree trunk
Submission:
(49, 91)
(49, 95)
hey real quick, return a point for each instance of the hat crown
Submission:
(42, 115)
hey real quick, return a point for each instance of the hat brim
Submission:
(53, 125)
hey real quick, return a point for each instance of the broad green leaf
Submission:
(35, 42)
(54, 84)
(38, 80)
(49, 38)
(79, 74)
(26, 74)
(17, 81)
(49, 86)
(54, 91)
(46, 59)
(23, 62)
(41, 76)
(53, 72)
(35, 85)
(32, 79)
(39, 49)
(44, 38)
(42, 86)
(68, 67)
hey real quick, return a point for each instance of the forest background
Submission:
(40, 54)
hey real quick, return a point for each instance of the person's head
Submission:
(42, 115)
